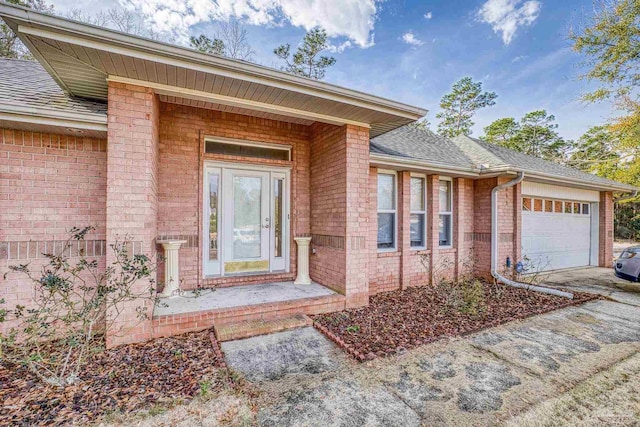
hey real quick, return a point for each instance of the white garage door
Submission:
(556, 234)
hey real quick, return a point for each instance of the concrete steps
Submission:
(251, 328)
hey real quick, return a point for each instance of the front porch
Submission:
(197, 310)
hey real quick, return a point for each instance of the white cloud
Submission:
(519, 58)
(428, 15)
(506, 16)
(410, 38)
(353, 19)
(341, 47)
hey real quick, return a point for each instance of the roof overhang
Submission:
(424, 166)
(82, 58)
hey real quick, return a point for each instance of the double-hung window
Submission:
(446, 213)
(418, 212)
(386, 211)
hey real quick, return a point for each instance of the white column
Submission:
(171, 267)
(303, 261)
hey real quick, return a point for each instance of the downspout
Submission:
(494, 245)
(625, 198)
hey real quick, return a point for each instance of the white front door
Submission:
(246, 221)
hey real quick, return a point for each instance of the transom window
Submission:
(230, 147)
(418, 212)
(446, 213)
(533, 204)
(386, 211)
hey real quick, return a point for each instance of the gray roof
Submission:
(410, 143)
(493, 156)
(26, 84)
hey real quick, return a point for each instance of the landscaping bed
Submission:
(123, 379)
(399, 320)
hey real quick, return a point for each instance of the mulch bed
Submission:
(125, 378)
(399, 320)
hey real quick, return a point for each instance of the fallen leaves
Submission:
(125, 379)
(399, 320)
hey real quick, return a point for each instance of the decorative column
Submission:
(303, 261)
(171, 267)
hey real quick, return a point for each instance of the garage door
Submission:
(556, 234)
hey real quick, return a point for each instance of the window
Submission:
(446, 217)
(246, 149)
(585, 208)
(567, 207)
(418, 212)
(386, 211)
(557, 206)
(526, 204)
(537, 205)
(548, 206)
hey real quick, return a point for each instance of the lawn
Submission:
(399, 320)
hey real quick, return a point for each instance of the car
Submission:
(628, 265)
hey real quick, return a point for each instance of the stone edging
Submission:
(217, 350)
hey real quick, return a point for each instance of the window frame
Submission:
(422, 177)
(393, 211)
(449, 213)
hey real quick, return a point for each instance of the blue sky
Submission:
(413, 51)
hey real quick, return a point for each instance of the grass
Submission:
(611, 397)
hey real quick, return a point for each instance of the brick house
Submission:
(237, 161)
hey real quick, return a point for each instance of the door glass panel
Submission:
(247, 191)
(277, 217)
(213, 216)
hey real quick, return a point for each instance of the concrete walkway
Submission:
(594, 280)
(482, 379)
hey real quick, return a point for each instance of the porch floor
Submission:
(239, 296)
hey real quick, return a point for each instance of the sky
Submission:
(411, 51)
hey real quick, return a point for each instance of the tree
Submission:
(206, 45)
(306, 62)
(235, 40)
(503, 132)
(10, 46)
(118, 19)
(230, 41)
(611, 44)
(534, 134)
(595, 152)
(423, 124)
(460, 105)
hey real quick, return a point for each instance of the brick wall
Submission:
(605, 223)
(48, 184)
(182, 133)
(408, 267)
(339, 171)
(132, 194)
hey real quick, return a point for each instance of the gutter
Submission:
(627, 197)
(494, 245)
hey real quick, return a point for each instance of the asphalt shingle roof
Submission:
(27, 84)
(504, 156)
(411, 143)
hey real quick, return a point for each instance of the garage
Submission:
(559, 227)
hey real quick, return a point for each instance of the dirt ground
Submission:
(574, 366)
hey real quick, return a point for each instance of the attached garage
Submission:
(559, 226)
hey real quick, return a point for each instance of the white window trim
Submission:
(450, 213)
(394, 211)
(233, 141)
(424, 212)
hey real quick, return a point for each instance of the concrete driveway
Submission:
(594, 280)
(481, 379)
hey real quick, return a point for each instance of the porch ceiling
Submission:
(82, 58)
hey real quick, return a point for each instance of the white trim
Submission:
(39, 118)
(423, 177)
(233, 141)
(449, 213)
(162, 89)
(220, 168)
(138, 47)
(428, 166)
(393, 211)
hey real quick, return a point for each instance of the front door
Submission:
(246, 214)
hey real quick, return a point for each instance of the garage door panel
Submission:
(552, 241)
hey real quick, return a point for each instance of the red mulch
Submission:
(399, 320)
(125, 378)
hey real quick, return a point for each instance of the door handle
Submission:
(266, 225)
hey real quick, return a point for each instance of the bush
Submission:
(74, 302)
